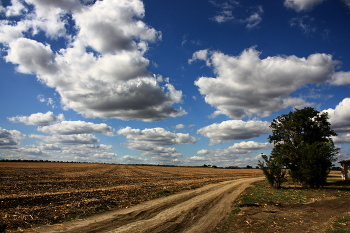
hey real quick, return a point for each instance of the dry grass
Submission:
(261, 208)
(45, 193)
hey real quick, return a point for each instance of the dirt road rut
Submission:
(198, 210)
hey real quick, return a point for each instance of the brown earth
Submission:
(312, 217)
(197, 210)
(34, 194)
(292, 208)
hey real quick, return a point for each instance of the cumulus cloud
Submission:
(40, 119)
(102, 72)
(302, 5)
(341, 78)
(53, 147)
(200, 55)
(84, 150)
(247, 85)
(127, 159)
(195, 160)
(154, 142)
(105, 156)
(234, 130)
(342, 139)
(29, 152)
(77, 127)
(10, 139)
(67, 138)
(238, 153)
(339, 117)
(179, 126)
(17, 8)
(156, 136)
(76, 139)
(32, 152)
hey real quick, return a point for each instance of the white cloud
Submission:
(156, 136)
(40, 119)
(251, 145)
(32, 151)
(247, 85)
(77, 127)
(341, 78)
(105, 156)
(15, 9)
(29, 152)
(102, 71)
(234, 130)
(179, 126)
(127, 159)
(237, 154)
(342, 139)
(302, 5)
(195, 161)
(203, 152)
(53, 147)
(254, 19)
(75, 139)
(340, 117)
(10, 139)
(84, 150)
(31, 57)
(153, 142)
(200, 55)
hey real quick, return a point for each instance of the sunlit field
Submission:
(45, 193)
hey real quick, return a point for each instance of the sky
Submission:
(185, 82)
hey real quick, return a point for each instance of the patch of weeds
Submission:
(261, 193)
(102, 208)
(340, 225)
(163, 193)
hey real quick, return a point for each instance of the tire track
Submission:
(198, 210)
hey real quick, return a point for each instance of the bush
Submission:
(272, 168)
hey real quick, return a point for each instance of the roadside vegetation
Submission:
(299, 193)
(292, 208)
(303, 145)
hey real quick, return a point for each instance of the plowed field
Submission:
(33, 194)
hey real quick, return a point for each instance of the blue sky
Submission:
(183, 82)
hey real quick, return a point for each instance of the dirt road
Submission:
(198, 210)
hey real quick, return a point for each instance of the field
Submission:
(33, 194)
(261, 208)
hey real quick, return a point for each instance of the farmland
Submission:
(33, 194)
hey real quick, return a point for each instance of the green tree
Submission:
(303, 141)
(272, 168)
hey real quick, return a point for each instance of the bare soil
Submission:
(197, 210)
(292, 209)
(34, 194)
(312, 217)
(155, 199)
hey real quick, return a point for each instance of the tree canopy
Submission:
(303, 143)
